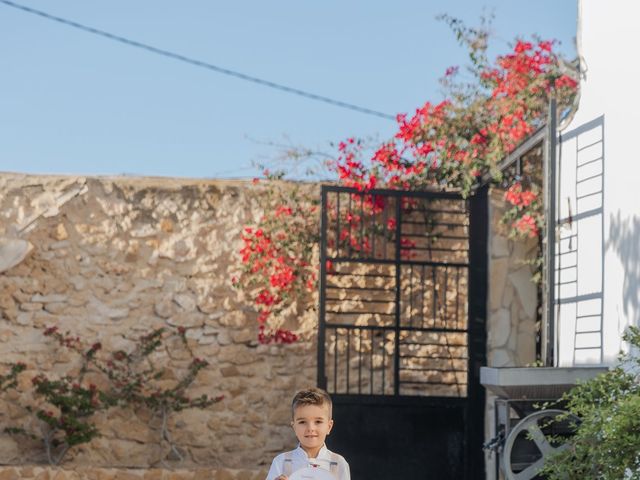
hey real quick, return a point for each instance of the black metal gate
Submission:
(402, 330)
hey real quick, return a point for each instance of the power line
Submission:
(198, 63)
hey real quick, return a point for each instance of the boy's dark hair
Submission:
(311, 396)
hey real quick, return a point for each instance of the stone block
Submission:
(525, 249)
(231, 371)
(24, 318)
(8, 449)
(100, 310)
(498, 270)
(499, 246)
(55, 308)
(512, 342)
(27, 472)
(178, 475)
(209, 350)
(244, 336)
(131, 430)
(30, 306)
(164, 308)
(143, 231)
(126, 475)
(60, 232)
(187, 319)
(204, 475)
(166, 225)
(500, 358)
(207, 340)
(275, 443)
(223, 474)
(175, 284)
(208, 305)
(9, 473)
(62, 245)
(187, 302)
(205, 456)
(516, 309)
(130, 453)
(507, 295)
(223, 338)
(499, 328)
(41, 474)
(233, 319)
(67, 475)
(177, 249)
(237, 355)
(526, 290)
(113, 207)
(12, 252)
(107, 473)
(526, 349)
(260, 475)
(53, 298)
(153, 474)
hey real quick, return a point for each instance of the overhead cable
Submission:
(198, 63)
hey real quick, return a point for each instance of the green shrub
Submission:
(606, 445)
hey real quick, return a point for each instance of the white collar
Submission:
(323, 454)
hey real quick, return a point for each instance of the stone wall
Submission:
(513, 296)
(512, 304)
(93, 473)
(109, 258)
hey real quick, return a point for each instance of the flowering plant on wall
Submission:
(523, 214)
(65, 405)
(277, 256)
(450, 144)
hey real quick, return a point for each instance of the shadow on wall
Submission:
(624, 238)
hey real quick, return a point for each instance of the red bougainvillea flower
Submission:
(513, 194)
(527, 226)
(446, 145)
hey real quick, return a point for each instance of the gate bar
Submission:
(322, 378)
(396, 353)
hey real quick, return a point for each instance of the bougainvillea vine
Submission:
(450, 144)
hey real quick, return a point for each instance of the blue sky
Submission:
(74, 103)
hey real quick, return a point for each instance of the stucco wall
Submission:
(599, 170)
(120, 256)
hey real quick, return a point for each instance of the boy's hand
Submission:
(282, 477)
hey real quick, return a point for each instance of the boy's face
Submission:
(312, 424)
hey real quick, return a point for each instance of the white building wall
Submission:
(598, 247)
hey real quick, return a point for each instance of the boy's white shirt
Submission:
(300, 460)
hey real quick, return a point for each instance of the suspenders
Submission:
(333, 465)
(288, 464)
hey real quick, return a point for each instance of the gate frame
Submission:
(474, 403)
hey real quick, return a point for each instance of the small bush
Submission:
(606, 445)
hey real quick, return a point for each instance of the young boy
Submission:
(311, 422)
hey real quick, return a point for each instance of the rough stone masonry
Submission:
(109, 258)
